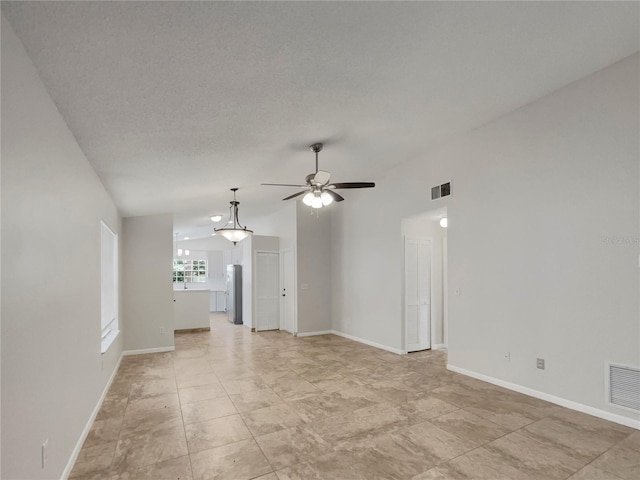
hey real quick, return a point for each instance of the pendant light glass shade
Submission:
(234, 232)
(327, 199)
(308, 199)
(317, 199)
(235, 235)
(316, 202)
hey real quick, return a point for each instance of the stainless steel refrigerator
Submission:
(234, 294)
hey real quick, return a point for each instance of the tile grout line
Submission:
(184, 427)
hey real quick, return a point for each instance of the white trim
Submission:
(445, 287)
(148, 350)
(87, 428)
(108, 339)
(563, 402)
(311, 334)
(438, 346)
(368, 342)
(294, 282)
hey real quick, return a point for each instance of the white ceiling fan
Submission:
(319, 192)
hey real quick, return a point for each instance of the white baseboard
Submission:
(438, 346)
(369, 342)
(148, 350)
(312, 334)
(563, 402)
(87, 427)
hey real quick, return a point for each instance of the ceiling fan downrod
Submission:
(316, 147)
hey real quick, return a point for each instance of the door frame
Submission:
(406, 238)
(254, 286)
(294, 282)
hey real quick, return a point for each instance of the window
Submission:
(189, 271)
(108, 286)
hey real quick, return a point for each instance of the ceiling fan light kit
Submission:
(318, 192)
(237, 232)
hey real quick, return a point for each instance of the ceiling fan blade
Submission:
(321, 177)
(294, 195)
(284, 185)
(336, 196)
(353, 185)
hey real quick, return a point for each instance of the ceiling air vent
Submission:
(441, 191)
(623, 386)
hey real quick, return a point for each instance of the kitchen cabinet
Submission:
(217, 301)
(190, 309)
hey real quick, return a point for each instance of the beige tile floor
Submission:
(229, 404)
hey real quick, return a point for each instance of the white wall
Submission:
(281, 224)
(366, 254)
(536, 196)
(53, 373)
(313, 268)
(148, 287)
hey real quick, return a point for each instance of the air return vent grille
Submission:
(441, 191)
(623, 386)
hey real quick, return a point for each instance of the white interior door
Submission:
(287, 293)
(267, 291)
(417, 265)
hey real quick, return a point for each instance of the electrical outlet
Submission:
(45, 453)
(161, 329)
(507, 356)
(540, 363)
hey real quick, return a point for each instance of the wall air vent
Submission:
(441, 191)
(623, 386)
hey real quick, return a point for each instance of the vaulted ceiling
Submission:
(173, 103)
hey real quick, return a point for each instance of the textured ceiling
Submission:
(176, 102)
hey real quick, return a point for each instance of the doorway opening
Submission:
(424, 287)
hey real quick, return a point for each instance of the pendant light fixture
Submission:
(179, 251)
(233, 231)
